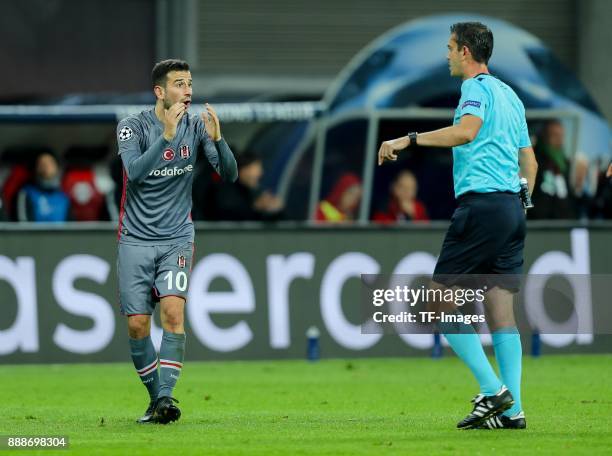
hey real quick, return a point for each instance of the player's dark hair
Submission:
(477, 37)
(246, 159)
(161, 70)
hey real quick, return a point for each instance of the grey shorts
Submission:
(148, 273)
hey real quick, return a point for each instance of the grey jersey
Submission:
(158, 175)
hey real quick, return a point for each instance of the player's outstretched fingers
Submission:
(206, 116)
(211, 110)
(212, 113)
(211, 122)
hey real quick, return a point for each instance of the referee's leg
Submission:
(466, 344)
(464, 250)
(499, 309)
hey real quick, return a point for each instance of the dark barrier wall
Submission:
(253, 292)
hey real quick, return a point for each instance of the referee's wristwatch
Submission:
(412, 136)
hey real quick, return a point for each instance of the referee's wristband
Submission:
(412, 136)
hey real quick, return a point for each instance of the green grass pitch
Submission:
(362, 406)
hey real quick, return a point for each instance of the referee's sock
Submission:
(468, 348)
(145, 361)
(509, 355)
(171, 355)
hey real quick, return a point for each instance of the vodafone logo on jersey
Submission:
(168, 154)
(171, 171)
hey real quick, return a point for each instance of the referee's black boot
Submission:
(505, 422)
(486, 406)
(148, 415)
(165, 411)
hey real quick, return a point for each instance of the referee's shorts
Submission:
(486, 236)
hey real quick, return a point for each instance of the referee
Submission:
(491, 151)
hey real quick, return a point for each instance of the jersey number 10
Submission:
(181, 280)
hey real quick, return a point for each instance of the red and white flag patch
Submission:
(168, 154)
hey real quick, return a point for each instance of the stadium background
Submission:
(233, 45)
(71, 79)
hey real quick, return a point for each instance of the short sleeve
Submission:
(128, 135)
(524, 139)
(474, 99)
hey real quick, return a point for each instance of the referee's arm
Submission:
(462, 133)
(456, 135)
(528, 166)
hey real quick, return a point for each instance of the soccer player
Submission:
(491, 146)
(158, 150)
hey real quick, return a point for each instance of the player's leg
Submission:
(144, 358)
(135, 268)
(172, 351)
(171, 355)
(173, 269)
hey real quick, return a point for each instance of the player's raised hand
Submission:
(172, 116)
(389, 149)
(211, 122)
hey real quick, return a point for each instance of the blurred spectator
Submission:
(601, 207)
(18, 162)
(552, 193)
(342, 203)
(205, 181)
(403, 204)
(43, 200)
(580, 181)
(87, 183)
(244, 200)
(586, 180)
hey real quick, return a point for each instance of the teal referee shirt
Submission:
(490, 162)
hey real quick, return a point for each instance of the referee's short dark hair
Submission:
(477, 37)
(161, 70)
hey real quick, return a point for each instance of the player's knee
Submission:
(173, 320)
(172, 314)
(139, 326)
(172, 317)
